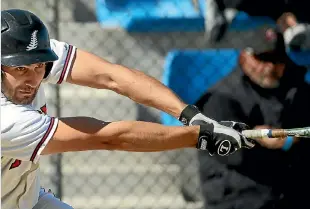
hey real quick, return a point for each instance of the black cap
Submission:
(274, 47)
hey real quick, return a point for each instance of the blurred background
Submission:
(156, 37)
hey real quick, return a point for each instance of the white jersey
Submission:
(25, 131)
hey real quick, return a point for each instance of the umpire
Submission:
(265, 90)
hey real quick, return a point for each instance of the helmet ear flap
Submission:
(4, 25)
(2, 74)
(48, 69)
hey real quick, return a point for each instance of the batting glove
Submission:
(222, 138)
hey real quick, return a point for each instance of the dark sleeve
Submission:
(221, 107)
(217, 175)
(254, 8)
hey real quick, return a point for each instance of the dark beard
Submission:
(10, 95)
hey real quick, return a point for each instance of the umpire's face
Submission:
(20, 84)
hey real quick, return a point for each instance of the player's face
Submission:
(20, 84)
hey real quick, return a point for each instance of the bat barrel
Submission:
(277, 133)
(299, 132)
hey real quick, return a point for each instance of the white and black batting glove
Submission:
(222, 138)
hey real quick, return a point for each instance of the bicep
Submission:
(78, 67)
(90, 70)
(78, 134)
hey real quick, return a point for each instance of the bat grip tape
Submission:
(269, 134)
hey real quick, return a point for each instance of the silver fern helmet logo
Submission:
(33, 42)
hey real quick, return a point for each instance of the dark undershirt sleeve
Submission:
(222, 185)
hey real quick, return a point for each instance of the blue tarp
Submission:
(189, 73)
(163, 16)
(150, 15)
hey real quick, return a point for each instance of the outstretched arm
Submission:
(93, 71)
(28, 134)
(84, 133)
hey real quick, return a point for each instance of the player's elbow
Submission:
(116, 136)
(112, 136)
(119, 79)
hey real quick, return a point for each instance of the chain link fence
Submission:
(115, 179)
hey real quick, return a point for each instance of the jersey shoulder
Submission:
(60, 68)
(25, 131)
(58, 46)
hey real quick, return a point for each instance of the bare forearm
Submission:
(144, 136)
(146, 90)
(82, 134)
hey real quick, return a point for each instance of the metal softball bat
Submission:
(275, 133)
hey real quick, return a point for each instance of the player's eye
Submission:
(21, 69)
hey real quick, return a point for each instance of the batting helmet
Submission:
(24, 39)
